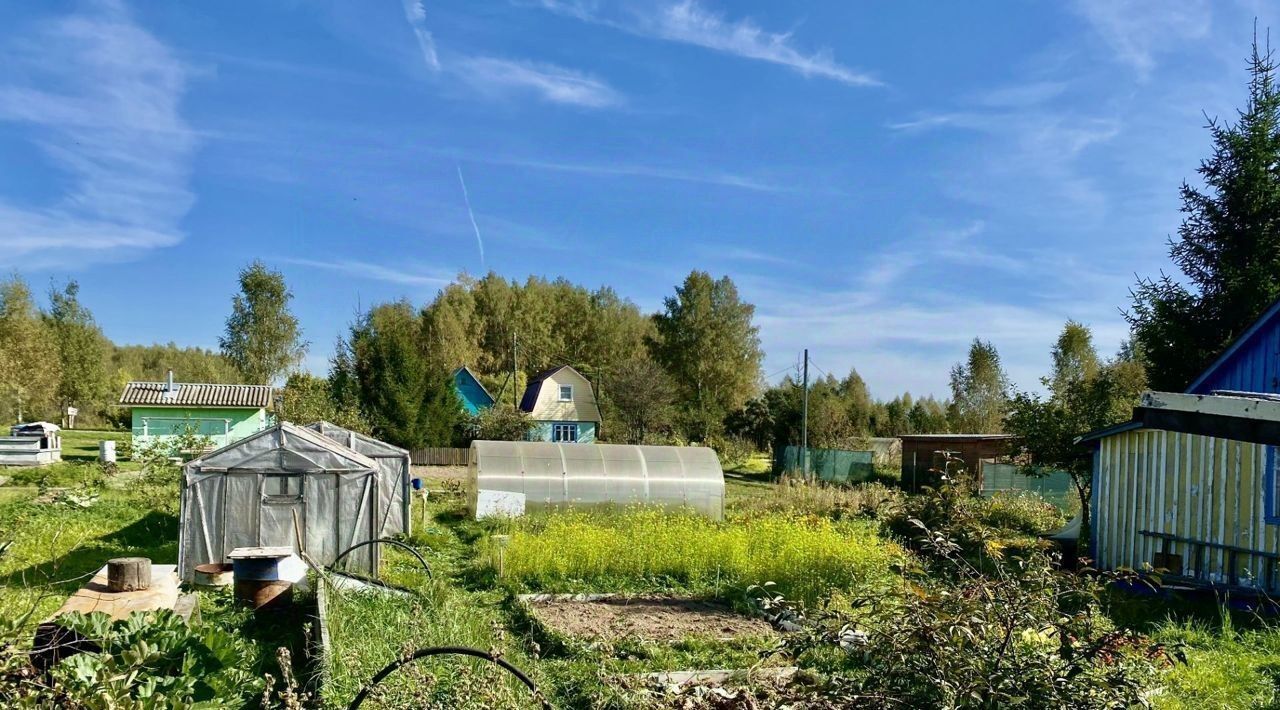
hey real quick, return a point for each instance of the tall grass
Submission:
(793, 496)
(807, 557)
(1226, 667)
(368, 630)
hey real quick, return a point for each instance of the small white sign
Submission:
(495, 504)
(72, 411)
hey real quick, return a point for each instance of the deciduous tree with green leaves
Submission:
(1080, 400)
(979, 391)
(706, 340)
(83, 351)
(306, 398)
(1228, 246)
(637, 401)
(262, 338)
(30, 368)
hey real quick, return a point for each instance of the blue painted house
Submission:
(1250, 364)
(562, 405)
(474, 396)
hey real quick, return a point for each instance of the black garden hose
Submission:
(385, 541)
(447, 651)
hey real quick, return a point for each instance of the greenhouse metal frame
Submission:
(266, 489)
(394, 471)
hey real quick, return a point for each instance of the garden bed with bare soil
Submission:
(664, 619)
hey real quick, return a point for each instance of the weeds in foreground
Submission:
(1020, 635)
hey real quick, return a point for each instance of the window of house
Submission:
(564, 433)
(282, 487)
(566, 393)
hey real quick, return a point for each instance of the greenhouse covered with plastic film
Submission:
(269, 488)
(393, 468)
(514, 477)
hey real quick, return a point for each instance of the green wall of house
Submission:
(544, 431)
(222, 425)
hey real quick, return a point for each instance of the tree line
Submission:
(54, 355)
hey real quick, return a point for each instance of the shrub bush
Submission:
(734, 451)
(1019, 511)
(1024, 635)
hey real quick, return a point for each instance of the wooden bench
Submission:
(1199, 562)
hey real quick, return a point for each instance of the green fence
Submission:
(830, 465)
(1054, 487)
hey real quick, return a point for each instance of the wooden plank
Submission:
(95, 596)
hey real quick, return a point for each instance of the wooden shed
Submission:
(1189, 486)
(922, 452)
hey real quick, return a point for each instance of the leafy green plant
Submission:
(1020, 635)
(1020, 511)
(161, 469)
(152, 660)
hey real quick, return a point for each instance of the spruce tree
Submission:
(1228, 245)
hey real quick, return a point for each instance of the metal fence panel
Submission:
(1054, 486)
(831, 465)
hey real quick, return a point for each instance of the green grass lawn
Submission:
(79, 462)
(82, 444)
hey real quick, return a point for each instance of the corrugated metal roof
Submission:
(189, 394)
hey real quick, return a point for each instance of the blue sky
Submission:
(884, 181)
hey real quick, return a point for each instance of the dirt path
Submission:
(650, 618)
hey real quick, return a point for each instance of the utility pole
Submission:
(515, 388)
(804, 424)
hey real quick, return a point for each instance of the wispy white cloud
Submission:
(1137, 30)
(376, 272)
(689, 22)
(1036, 149)
(1032, 93)
(100, 96)
(499, 77)
(736, 253)
(706, 177)
(415, 12)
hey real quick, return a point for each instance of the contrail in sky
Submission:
(467, 199)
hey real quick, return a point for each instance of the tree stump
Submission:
(128, 574)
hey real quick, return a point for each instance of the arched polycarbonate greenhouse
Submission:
(512, 477)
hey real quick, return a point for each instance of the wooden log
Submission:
(128, 574)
